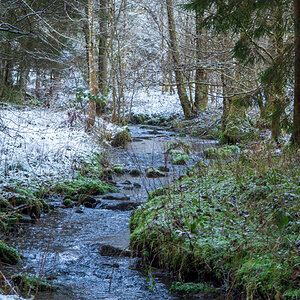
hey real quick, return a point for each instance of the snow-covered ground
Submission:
(38, 142)
(152, 102)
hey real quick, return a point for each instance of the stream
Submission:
(66, 246)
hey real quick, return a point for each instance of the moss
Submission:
(29, 284)
(154, 173)
(163, 169)
(135, 172)
(121, 139)
(119, 169)
(223, 152)
(158, 192)
(8, 254)
(179, 146)
(235, 220)
(179, 157)
(68, 203)
(192, 288)
(139, 118)
(83, 186)
(238, 126)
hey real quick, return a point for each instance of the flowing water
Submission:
(65, 246)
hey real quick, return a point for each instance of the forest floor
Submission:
(232, 220)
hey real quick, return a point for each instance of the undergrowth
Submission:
(238, 220)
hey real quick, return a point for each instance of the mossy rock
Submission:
(179, 146)
(83, 186)
(119, 169)
(68, 203)
(223, 152)
(138, 118)
(163, 169)
(154, 173)
(135, 172)
(179, 157)
(121, 139)
(30, 284)
(192, 288)
(8, 254)
(153, 121)
(137, 185)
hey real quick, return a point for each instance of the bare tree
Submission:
(92, 67)
(181, 89)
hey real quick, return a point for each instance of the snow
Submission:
(46, 144)
(153, 101)
(11, 297)
(38, 143)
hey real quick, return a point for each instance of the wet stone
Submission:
(126, 182)
(116, 196)
(108, 250)
(79, 211)
(122, 206)
(27, 220)
(128, 188)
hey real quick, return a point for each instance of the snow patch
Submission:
(40, 144)
(154, 102)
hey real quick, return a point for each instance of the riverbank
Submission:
(233, 221)
(69, 220)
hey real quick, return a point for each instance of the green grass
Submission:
(238, 220)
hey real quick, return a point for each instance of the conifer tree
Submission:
(254, 21)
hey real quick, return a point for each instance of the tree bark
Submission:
(226, 101)
(181, 89)
(102, 58)
(38, 83)
(296, 121)
(92, 70)
(201, 90)
(85, 29)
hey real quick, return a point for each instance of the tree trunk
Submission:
(201, 90)
(85, 29)
(102, 58)
(296, 123)
(38, 84)
(92, 70)
(181, 89)
(226, 101)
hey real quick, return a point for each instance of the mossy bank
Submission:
(236, 220)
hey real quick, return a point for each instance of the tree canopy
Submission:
(263, 33)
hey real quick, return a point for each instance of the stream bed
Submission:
(66, 246)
